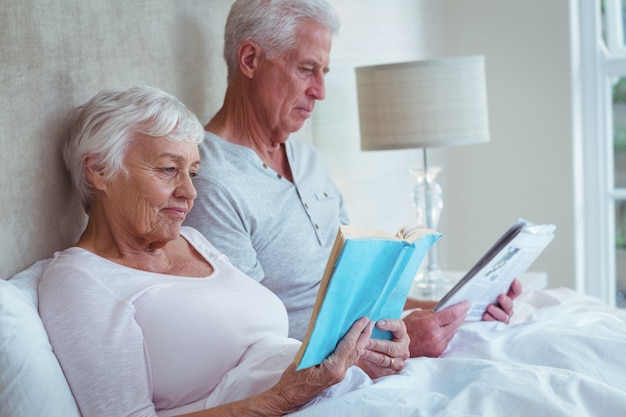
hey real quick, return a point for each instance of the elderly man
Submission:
(266, 199)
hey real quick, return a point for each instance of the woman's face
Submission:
(151, 202)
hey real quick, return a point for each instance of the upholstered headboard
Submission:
(55, 54)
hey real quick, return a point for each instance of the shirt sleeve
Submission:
(105, 363)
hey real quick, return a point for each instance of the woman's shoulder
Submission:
(76, 267)
(200, 243)
(73, 274)
(72, 258)
(193, 236)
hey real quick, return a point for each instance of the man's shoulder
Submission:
(219, 158)
(213, 149)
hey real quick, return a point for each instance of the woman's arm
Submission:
(98, 343)
(296, 388)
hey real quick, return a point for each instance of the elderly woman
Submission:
(146, 317)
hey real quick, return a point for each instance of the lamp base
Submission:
(431, 285)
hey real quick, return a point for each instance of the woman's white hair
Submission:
(101, 130)
(272, 24)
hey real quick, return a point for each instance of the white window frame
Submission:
(594, 162)
(595, 66)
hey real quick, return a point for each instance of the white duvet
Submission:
(565, 355)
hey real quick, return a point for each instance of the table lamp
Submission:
(424, 104)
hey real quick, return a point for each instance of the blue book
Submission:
(368, 273)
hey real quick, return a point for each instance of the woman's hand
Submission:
(296, 388)
(386, 357)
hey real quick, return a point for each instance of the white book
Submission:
(492, 275)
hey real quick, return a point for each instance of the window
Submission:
(602, 61)
(613, 13)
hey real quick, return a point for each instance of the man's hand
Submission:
(430, 332)
(386, 357)
(502, 310)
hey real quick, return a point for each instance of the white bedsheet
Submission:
(565, 355)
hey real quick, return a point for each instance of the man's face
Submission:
(288, 86)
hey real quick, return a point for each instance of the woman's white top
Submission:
(136, 343)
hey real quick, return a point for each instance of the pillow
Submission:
(31, 380)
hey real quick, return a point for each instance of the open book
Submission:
(368, 273)
(492, 275)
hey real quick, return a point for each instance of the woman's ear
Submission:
(95, 174)
(249, 55)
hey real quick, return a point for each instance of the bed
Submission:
(564, 355)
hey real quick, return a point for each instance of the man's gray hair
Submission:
(272, 24)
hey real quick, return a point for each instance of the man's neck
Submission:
(233, 125)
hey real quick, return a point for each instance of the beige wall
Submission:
(55, 54)
(527, 168)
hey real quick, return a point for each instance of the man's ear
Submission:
(249, 55)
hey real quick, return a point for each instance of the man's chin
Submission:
(298, 125)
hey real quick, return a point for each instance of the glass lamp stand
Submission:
(430, 282)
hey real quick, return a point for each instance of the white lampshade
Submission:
(423, 104)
